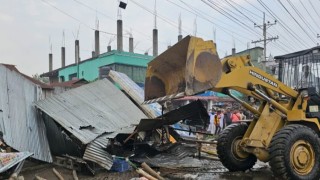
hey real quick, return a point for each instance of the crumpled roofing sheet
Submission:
(21, 127)
(92, 110)
(136, 93)
(96, 152)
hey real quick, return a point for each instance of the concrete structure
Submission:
(77, 51)
(96, 43)
(63, 56)
(119, 36)
(155, 42)
(134, 65)
(131, 44)
(50, 62)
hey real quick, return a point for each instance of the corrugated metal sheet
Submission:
(22, 128)
(194, 112)
(92, 110)
(96, 152)
(136, 93)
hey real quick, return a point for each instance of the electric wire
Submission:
(296, 21)
(283, 25)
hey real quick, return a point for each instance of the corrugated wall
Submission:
(19, 123)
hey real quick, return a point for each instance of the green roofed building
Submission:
(132, 64)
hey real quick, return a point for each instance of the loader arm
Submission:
(193, 66)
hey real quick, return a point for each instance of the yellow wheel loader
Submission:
(285, 130)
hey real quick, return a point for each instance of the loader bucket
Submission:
(189, 67)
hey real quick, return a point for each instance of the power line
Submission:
(72, 17)
(311, 17)
(240, 12)
(113, 19)
(254, 14)
(202, 15)
(314, 8)
(283, 25)
(296, 21)
(227, 15)
(302, 18)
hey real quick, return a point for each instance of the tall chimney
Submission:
(50, 62)
(109, 48)
(96, 43)
(63, 56)
(169, 46)
(179, 37)
(155, 42)
(131, 44)
(233, 51)
(77, 51)
(119, 35)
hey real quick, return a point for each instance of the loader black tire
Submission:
(226, 149)
(295, 153)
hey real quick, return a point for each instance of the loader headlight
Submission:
(314, 108)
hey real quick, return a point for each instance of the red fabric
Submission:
(235, 117)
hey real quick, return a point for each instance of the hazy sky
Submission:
(27, 26)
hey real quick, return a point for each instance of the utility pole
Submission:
(265, 40)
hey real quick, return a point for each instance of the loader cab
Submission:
(313, 110)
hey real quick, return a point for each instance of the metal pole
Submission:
(264, 37)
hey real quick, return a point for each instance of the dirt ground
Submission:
(211, 169)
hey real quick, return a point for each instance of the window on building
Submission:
(72, 76)
(61, 79)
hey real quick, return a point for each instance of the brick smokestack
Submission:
(119, 36)
(77, 51)
(50, 62)
(155, 42)
(96, 43)
(131, 44)
(63, 56)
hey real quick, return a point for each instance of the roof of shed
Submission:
(92, 110)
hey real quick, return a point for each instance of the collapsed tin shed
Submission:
(22, 129)
(90, 113)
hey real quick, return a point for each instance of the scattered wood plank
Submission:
(59, 176)
(151, 171)
(145, 174)
(39, 178)
(74, 173)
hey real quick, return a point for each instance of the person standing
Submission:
(217, 121)
(235, 117)
(227, 117)
(211, 125)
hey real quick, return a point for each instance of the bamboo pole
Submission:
(151, 171)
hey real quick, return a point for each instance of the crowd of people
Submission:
(221, 118)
